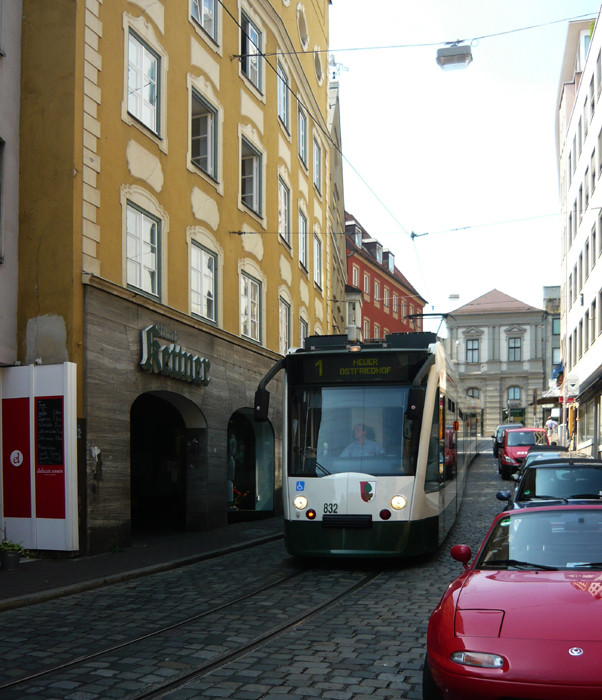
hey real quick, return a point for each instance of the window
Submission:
(376, 330)
(250, 177)
(317, 166)
(366, 284)
(386, 298)
(203, 11)
(284, 199)
(302, 239)
(143, 83)
(514, 393)
(250, 307)
(250, 50)
(303, 331)
(203, 136)
(555, 326)
(514, 349)
(366, 329)
(472, 350)
(302, 135)
(284, 324)
(318, 261)
(142, 250)
(202, 282)
(474, 392)
(283, 96)
(377, 292)
(593, 248)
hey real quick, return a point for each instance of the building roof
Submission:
(494, 302)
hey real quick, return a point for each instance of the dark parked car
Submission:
(499, 431)
(556, 482)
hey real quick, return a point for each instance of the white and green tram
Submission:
(377, 439)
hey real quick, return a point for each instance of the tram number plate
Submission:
(331, 507)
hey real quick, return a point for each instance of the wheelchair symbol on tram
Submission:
(300, 486)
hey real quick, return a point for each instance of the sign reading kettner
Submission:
(171, 360)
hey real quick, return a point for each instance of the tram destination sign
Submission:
(355, 367)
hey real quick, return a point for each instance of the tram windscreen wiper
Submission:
(543, 497)
(591, 496)
(313, 460)
(518, 564)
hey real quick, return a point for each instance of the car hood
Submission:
(517, 451)
(553, 605)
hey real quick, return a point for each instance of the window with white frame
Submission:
(250, 307)
(386, 297)
(302, 135)
(318, 261)
(366, 329)
(366, 283)
(303, 331)
(283, 96)
(203, 136)
(355, 275)
(317, 166)
(514, 349)
(142, 250)
(377, 292)
(250, 177)
(144, 70)
(377, 330)
(284, 325)
(204, 13)
(302, 239)
(250, 51)
(202, 282)
(514, 393)
(284, 201)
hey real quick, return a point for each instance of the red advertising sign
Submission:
(16, 479)
(50, 457)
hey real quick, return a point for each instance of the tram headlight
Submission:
(300, 502)
(398, 502)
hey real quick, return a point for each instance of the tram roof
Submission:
(395, 341)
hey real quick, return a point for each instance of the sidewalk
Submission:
(42, 579)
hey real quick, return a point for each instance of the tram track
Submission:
(154, 649)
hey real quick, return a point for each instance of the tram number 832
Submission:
(331, 508)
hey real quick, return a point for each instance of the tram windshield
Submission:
(364, 429)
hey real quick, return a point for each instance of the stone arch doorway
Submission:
(250, 486)
(167, 437)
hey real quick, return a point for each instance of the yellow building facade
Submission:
(175, 239)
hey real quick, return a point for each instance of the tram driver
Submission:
(361, 445)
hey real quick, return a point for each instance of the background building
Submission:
(176, 217)
(504, 352)
(380, 300)
(579, 141)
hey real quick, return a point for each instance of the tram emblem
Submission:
(367, 490)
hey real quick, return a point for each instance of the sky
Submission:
(465, 159)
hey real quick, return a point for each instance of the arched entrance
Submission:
(164, 439)
(250, 467)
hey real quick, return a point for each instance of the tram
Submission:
(377, 439)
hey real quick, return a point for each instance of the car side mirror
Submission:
(461, 553)
(503, 495)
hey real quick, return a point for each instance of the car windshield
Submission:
(563, 538)
(560, 482)
(526, 437)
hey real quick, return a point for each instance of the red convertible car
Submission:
(524, 620)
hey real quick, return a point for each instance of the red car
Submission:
(524, 620)
(515, 445)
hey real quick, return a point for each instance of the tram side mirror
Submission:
(262, 404)
(415, 404)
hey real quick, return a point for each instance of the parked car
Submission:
(536, 452)
(561, 480)
(499, 431)
(515, 443)
(522, 620)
